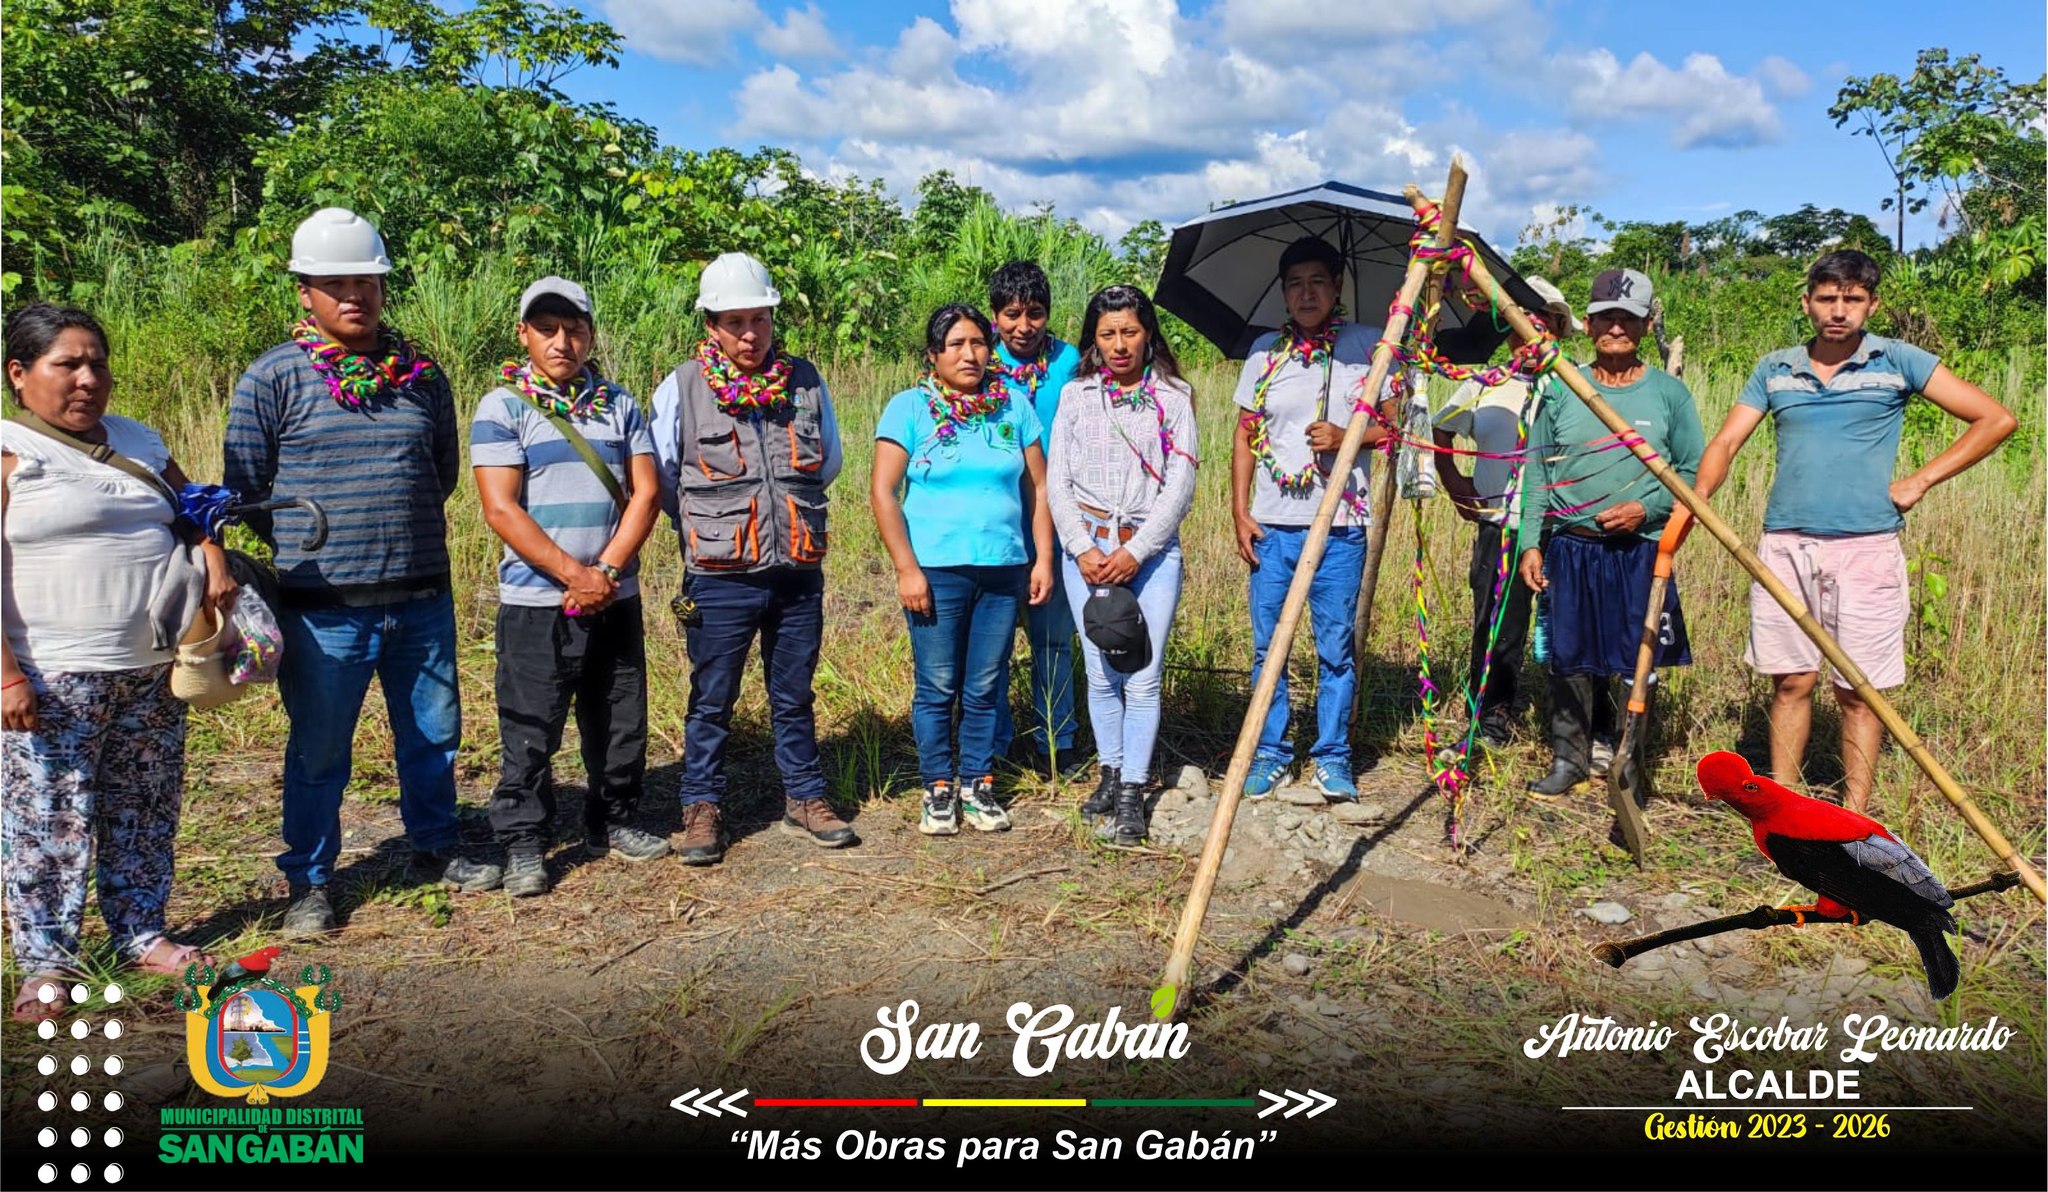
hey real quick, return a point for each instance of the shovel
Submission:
(1628, 786)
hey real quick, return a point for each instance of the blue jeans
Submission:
(960, 654)
(1123, 710)
(1332, 603)
(329, 656)
(1049, 630)
(786, 606)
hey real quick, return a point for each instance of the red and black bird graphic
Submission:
(255, 964)
(1860, 870)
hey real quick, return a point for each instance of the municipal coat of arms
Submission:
(251, 1034)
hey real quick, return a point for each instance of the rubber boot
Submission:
(1571, 699)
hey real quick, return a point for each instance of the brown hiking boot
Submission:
(703, 834)
(816, 819)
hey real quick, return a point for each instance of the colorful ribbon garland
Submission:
(354, 378)
(763, 392)
(1311, 350)
(588, 394)
(1144, 396)
(1027, 375)
(952, 409)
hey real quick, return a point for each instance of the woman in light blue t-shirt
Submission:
(959, 480)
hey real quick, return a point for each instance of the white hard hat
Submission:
(735, 281)
(336, 242)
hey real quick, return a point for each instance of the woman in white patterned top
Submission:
(1120, 479)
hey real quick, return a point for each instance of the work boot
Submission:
(1103, 799)
(623, 841)
(1127, 826)
(1571, 698)
(455, 871)
(816, 819)
(703, 834)
(310, 912)
(526, 875)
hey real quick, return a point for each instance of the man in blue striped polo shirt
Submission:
(1831, 527)
(569, 624)
(351, 415)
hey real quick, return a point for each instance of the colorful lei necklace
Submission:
(764, 392)
(1030, 374)
(952, 409)
(353, 378)
(1311, 350)
(588, 393)
(1145, 396)
(1142, 396)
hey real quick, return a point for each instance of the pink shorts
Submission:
(1856, 588)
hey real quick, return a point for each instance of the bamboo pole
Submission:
(1167, 1000)
(1383, 480)
(1846, 667)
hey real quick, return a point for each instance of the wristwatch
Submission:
(606, 570)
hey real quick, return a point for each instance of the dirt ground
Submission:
(1347, 950)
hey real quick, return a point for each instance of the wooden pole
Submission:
(1383, 480)
(1168, 999)
(1844, 666)
(1619, 952)
(1621, 776)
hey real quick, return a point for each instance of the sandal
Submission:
(168, 959)
(30, 1008)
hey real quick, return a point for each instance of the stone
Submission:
(1330, 1010)
(1358, 814)
(1675, 902)
(1606, 912)
(1301, 796)
(1295, 963)
(1291, 820)
(1192, 782)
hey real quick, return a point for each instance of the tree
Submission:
(241, 1051)
(1949, 127)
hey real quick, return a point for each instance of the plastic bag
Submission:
(260, 643)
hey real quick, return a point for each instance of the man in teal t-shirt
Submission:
(1036, 365)
(1831, 527)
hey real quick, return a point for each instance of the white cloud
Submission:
(1782, 79)
(1140, 109)
(697, 32)
(800, 34)
(1713, 107)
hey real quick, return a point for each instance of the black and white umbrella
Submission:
(1222, 274)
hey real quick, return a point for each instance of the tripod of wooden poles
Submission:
(1170, 999)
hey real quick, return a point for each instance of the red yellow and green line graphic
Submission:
(718, 1102)
(1005, 1102)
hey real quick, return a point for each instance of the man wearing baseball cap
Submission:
(565, 466)
(748, 444)
(346, 391)
(1590, 522)
(1494, 419)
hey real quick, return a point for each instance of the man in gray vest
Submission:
(747, 444)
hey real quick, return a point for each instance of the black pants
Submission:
(1503, 682)
(545, 660)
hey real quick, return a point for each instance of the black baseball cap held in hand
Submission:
(1115, 623)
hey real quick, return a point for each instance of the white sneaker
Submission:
(978, 804)
(940, 815)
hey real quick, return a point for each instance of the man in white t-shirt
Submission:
(1294, 397)
(1493, 420)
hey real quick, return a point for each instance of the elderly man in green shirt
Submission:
(1598, 514)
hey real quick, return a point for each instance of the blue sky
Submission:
(1122, 110)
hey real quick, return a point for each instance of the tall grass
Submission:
(183, 330)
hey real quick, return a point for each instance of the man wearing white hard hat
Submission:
(348, 413)
(748, 444)
(1494, 420)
